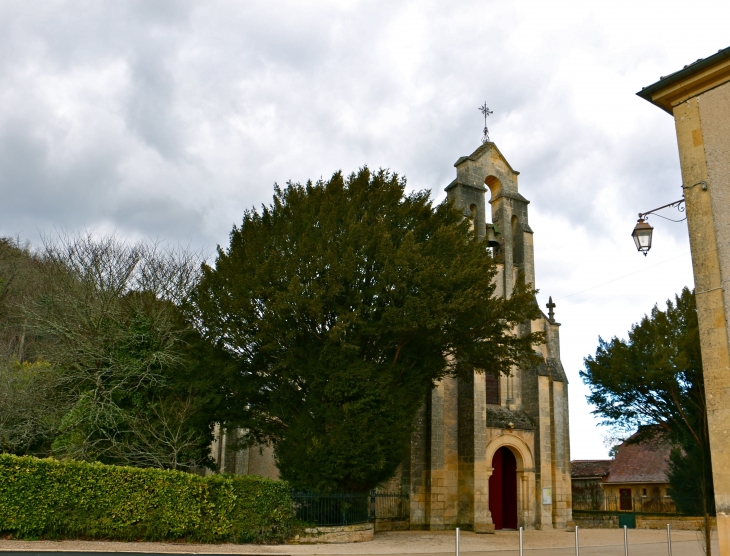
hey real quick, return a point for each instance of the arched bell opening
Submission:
(493, 232)
(494, 185)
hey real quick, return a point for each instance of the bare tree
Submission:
(110, 319)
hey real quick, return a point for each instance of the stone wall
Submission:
(392, 524)
(702, 120)
(714, 138)
(679, 523)
(595, 521)
(335, 535)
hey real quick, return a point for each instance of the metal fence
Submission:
(331, 509)
(348, 508)
(389, 505)
(636, 504)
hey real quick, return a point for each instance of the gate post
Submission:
(372, 506)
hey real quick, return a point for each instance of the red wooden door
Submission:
(503, 490)
(625, 500)
(509, 490)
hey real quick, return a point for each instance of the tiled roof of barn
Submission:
(647, 462)
(589, 468)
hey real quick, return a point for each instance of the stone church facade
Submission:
(487, 453)
(494, 452)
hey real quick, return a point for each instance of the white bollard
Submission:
(522, 551)
(577, 542)
(669, 539)
(457, 541)
(626, 541)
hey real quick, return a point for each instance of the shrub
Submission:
(49, 498)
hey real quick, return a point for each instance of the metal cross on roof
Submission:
(487, 112)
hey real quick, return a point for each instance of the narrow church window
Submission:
(492, 388)
(517, 248)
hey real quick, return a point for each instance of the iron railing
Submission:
(331, 509)
(337, 509)
(389, 505)
(635, 504)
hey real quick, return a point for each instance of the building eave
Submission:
(692, 80)
(648, 481)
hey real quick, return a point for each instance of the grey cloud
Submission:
(222, 99)
(167, 118)
(151, 103)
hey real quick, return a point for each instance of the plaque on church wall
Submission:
(547, 496)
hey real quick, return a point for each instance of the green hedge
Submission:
(49, 498)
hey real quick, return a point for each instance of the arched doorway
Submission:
(503, 490)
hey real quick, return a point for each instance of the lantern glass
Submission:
(642, 236)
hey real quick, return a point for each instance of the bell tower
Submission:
(491, 452)
(486, 170)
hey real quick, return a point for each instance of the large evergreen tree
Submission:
(344, 301)
(655, 378)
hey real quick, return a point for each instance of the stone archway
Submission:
(520, 474)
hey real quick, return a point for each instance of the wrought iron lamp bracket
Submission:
(679, 205)
(702, 183)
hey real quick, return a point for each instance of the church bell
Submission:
(492, 232)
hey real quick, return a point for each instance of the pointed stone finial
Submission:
(550, 306)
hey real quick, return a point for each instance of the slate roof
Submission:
(647, 462)
(584, 469)
(499, 417)
(556, 369)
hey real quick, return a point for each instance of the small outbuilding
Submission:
(586, 479)
(636, 480)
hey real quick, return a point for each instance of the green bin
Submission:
(627, 519)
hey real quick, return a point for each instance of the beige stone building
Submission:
(494, 453)
(698, 97)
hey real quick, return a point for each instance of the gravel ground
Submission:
(594, 542)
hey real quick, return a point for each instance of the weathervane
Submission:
(487, 112)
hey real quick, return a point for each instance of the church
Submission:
(487, 453)
(491, 452)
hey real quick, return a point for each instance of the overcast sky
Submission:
(166, 119)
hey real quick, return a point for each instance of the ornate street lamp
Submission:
(642, 230)
(642, 236)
